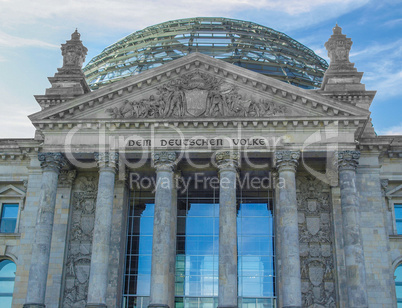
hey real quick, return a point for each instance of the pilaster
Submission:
(373, 227)
(59, 238)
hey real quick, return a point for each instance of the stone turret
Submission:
(69, 82)
(342, 81)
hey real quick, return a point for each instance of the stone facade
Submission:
(334, 189)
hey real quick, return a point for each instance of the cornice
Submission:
(18, 149)
(295, 121)
(299, 97)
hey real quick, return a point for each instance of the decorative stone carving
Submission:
(347, 160)
(164, 160)
(107, 159)
(287, 159)
(227, 160)
(52, 161)
(25, 184)
(317, 264)
(384, 186)
(66, 177)
(196, 95)
(78, 262)
(73, 52)
(338, 47)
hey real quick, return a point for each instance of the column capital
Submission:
(287, 160)
(227, 160)
(107, 160)
(52, 161)
(347, 160)
(164, 161)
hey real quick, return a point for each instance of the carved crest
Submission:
(313, 224)
(196, 95)
(316, 273)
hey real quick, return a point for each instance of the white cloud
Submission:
(382, 65)
(394, 130)
(376, 48)
(128, 14)
(14, 114)
(393, 22)
(14, 41)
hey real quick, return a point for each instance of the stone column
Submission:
(98, 277)
(353, 246)
(227, 163)
(51, 164)
(288, 228)
(164, 233)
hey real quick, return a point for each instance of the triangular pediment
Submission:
(10, 191)
(198, 87)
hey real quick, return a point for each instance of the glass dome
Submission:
(241, 43)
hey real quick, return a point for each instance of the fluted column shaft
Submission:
(227, 288)
(51, 164)
(164, 232)
(98, 277)
(353, 246)
(288, 228)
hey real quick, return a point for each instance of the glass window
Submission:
(398, 285)
(398, 218)
(137, 276)
(7, 277)
(197, 249)
(8, 220)
(255, 242)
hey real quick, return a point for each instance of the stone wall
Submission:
(316, 243)
(374, 231)
(27, 230)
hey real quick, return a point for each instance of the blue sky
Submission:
(31, 33)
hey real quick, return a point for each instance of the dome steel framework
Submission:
(241, 43)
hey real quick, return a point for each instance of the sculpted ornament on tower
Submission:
(338, 47)
(196, 95)
(73, 52)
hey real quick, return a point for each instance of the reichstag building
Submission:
(203, 163)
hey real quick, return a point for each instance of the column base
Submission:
(95, 306)
(34, 306)
(158, 306)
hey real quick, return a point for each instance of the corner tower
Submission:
(69, 82)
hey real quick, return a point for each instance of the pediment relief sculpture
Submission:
(197, 95)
